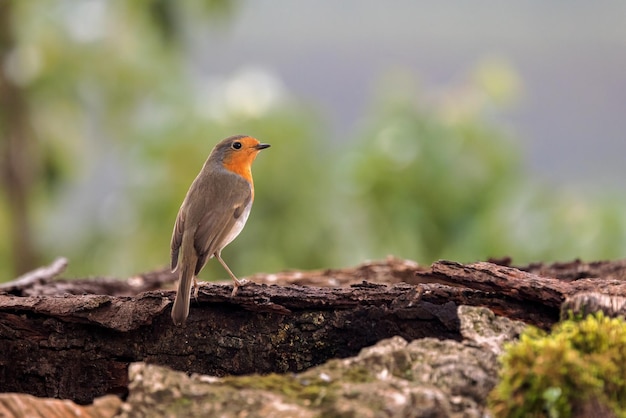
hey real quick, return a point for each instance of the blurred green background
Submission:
(107, 115)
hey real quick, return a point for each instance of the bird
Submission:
(212, 214)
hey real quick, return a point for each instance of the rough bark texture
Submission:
(427, 377)
(75, 339)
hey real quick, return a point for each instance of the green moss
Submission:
(307, 391)
(318, 387)
(358, 374)
(552, 375)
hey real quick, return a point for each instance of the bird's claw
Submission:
(237, 285)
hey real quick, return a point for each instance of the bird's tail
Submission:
(180, 310)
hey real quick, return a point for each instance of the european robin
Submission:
(213, 213)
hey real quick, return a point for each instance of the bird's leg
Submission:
(236, 282)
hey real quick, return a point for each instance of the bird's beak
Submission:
(262, 146)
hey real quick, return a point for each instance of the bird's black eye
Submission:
(236, 145)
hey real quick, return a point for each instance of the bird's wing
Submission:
(220, 217)
(177, 238)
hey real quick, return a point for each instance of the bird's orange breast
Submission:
(241, 163)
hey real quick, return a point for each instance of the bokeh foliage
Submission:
(123, 120)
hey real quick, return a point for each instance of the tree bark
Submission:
(59, 342)
(18, 158)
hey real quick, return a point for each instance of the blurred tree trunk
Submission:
(18, 164)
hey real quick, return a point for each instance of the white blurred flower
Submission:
(85, 20)
(250, 92)
(22, 64)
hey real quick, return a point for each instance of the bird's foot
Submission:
(237, 284)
